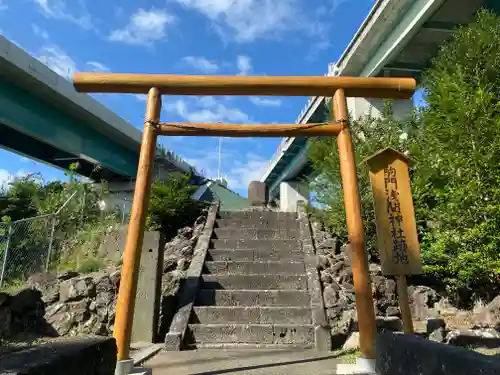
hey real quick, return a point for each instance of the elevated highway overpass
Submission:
(43, 117)
(398, 38)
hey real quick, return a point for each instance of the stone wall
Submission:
(73, 304)
(75, 356)
(434, 317)
(177, 259)
(180, 305)
(66, 304)
(410, 355)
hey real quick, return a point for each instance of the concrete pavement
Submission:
(244, 362)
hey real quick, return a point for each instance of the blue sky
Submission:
(250, 37)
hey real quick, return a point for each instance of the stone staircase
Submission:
(254, 286)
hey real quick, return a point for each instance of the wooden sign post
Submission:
(397, 237)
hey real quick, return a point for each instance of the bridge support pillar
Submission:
(359, 107)
(291, 192)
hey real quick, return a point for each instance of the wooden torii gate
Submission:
(156, 85)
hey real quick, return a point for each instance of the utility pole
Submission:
(219, 165)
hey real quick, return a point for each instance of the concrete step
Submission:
(257, 223)
(285, 245)
(258, 334)
(254, 282)
(253, 267)
(218, 297)
(253, 255)
(245, 346)
(251, 315)
(256, 215)
(256, 234)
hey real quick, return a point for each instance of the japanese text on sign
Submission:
(399, 243)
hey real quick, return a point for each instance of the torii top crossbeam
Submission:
(368, 87)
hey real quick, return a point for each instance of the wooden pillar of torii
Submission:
(156, 85)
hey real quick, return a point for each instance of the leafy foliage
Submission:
(16, 200)
(457, 179)
(30, 196)
(369, 134)
(70, 208)
(80, 224)
(455, 143)
(170, 205)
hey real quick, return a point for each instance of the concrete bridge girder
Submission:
(57, 137)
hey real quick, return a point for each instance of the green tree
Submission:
(455, 143)
(369, 135)
(16, 200)
(457, 179)
(80, 224)
(171, 205)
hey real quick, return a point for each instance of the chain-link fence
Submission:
(25, 247)
(42, 243)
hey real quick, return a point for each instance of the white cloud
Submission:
(246, 20)
(6, 177)
(238, 170)
(206, 101)
(319, 32)
(244, 64)
(57, 60)
(40, 32)
(251, 169)
(201, 63)
(335, 4)
(60, 62)
(265, 102)
(58, 9)
(206, 109)
(3, 5)
(97, 66)
(249, 20)
(319, 28)
(205, 162)
(144, 27)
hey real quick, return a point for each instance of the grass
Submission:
(349, 356)
(90, 265)
(488, 351)
(12, 286)
(22, 341)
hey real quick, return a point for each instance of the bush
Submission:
(16, 200)
(171, 206)
(78, 226)
(369, 135)
(90, 265)
(77, 251)
(455, 143)
(458, 173)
